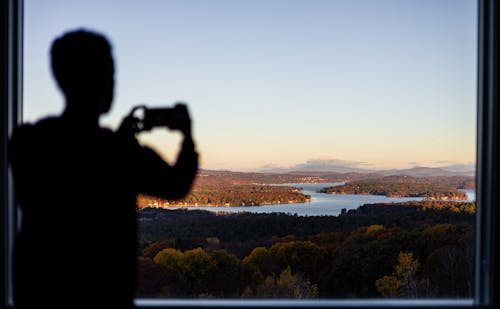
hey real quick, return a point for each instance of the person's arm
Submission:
(156, 177)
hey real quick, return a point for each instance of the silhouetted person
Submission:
(76, 184)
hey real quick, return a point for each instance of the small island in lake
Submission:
(400, 186)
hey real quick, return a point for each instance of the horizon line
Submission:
(339, 170)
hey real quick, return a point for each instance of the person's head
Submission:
(82, 65)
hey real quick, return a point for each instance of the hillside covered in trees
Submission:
(410, 250)
(231, 195)
(226, 188)
(436, 188)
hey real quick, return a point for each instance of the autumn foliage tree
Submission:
(403, 281)
(285, 285)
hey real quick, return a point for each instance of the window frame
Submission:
(488, 139)
(487, 289)
(11, 46)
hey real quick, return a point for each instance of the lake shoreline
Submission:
(320, 204)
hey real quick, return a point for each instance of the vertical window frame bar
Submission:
(486, 291)
(11, 61)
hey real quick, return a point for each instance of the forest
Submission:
(410, 250)
(404, 186)
(231, 195)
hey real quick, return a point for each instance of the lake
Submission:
(321, 204)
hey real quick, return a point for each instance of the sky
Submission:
(282, 84)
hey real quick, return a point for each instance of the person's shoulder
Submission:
(48, 121)
(43, 124)
(31, 132)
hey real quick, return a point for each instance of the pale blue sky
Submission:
(281, 82)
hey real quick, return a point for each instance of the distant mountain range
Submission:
(218, 178)
(421, 171)
(417, 171)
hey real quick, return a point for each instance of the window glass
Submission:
(337, 140)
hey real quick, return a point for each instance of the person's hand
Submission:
(183, 121)
(129, 126)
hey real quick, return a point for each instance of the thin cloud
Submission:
(443, 162)
(330, 164)
(321, 165)
(460, 167)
